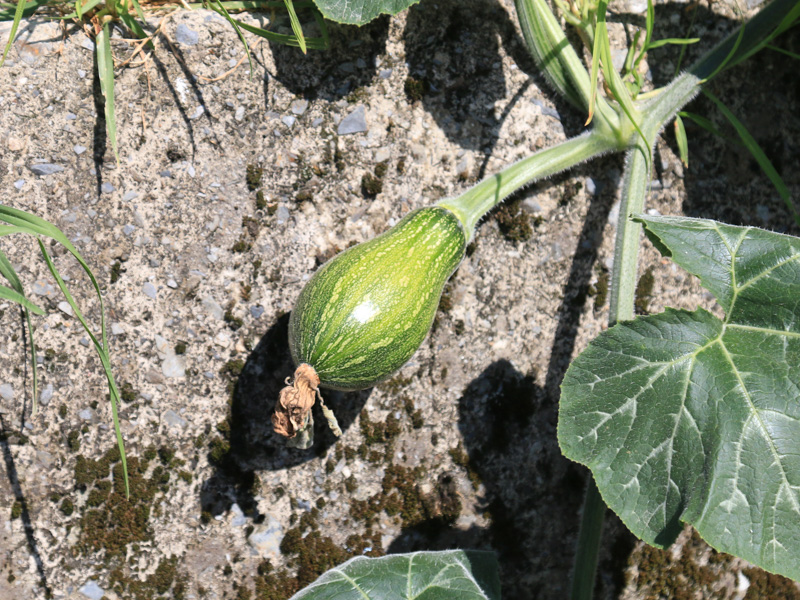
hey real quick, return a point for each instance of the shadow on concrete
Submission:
(454, 70)
(253, 444)
(8, 437)
(349, 62)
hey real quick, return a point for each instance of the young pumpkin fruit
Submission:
(366, 311)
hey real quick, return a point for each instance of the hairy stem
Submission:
(473, 204)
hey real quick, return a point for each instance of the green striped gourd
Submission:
(365, 312)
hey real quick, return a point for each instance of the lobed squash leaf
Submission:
(686, 418)
(360, 12)
(462, 574)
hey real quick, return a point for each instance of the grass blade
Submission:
(758, 154)
(17, 18)
(8, 294)
(680, 137)
(296, 28)
(104, 359)
(105, 71)
(138, 9)
(731, 54)
(289, 40)
(7, 270)
(782, 51)
(8, 14)
(674, 41)
(704, 123)
(131, 22)
(223, 11)
(37, 226)
(323, 27)
(598, 34)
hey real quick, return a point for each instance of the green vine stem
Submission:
(657, 112)
(473, 204)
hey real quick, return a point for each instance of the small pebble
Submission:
(239, 115)
(92, 591)
(6, 391)
(172, 284)
(385, 73)
(266, 538)
(129, 196)
(173, 366)
(128, 229)
(84, 341)
(186, 36)
(86, 414)
(19, 183)
(79, 149)
(355, 122)
(174, 419)
(87, 44)
(106, 188)
(288, 120)
(65, 308)
(256, 311)
(198, 112)
(81, 73)
(282, 214)
(238, 520)
(213, 308)
(299, 107)
(42, 288)
(150, 290)
(43, 169)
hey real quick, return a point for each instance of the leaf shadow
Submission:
(454, 53)
(723, 181)
(253, 445)
(348, 63)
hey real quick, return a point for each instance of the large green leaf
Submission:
(686, 418)
(359, 12)
(466, 575)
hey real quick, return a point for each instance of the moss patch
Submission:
(111, 521)
(401, 496)
(767, 586)
(600, 289)
(514, 223)
(253, 177)
(165, 582)
(644, 292)
(415, 89)
(662, 576)
(372, 183)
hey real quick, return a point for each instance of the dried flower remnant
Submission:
(293, 410)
